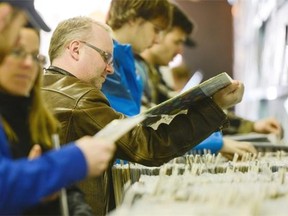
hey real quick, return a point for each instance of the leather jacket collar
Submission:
(54, 69)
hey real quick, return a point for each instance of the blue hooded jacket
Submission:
(124, 87)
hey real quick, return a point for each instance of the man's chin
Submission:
(99, 85)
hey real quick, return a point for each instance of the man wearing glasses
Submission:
(80, 52)
(98, 50)
(107, 57)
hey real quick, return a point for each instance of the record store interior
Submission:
(247, 39)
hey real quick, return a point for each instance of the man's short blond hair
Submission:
(77, 28)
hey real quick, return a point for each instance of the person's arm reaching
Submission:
(25, 182)
(231, 147)
(268, 125)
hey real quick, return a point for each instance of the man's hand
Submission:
(230, 147)
(268, 125)
(230, 95)
(98, 153)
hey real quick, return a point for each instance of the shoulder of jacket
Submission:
(69, 86)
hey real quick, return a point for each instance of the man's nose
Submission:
(109, 69)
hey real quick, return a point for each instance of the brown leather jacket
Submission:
(84, 110)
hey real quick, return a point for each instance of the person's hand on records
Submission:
(230, 95)
(230, 147)
(267, 126)
(98, 153)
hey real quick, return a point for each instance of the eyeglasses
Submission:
(22, 54)
(106, 56)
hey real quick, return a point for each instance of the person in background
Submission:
(25, 182)
(157, 91)
(81, 56)
(136, 25)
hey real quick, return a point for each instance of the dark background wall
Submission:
(213, 35)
